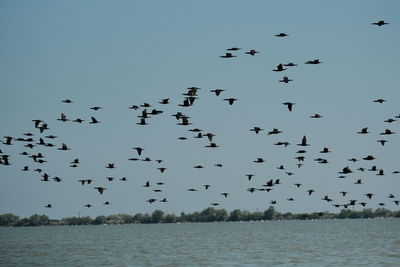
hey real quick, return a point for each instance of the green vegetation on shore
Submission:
(207, 215)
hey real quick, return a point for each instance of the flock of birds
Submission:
(147, 111)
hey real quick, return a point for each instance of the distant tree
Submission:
(367, 213)
(171, 218)
(99, 220)
(8, 219)
(343, 214)
(138, 218)
(382, 212)
(288, 216)
(257, 216)
(146, 218)
(269, 214)
(157, 216)
(220, 215)
(235, 216)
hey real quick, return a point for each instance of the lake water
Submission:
(374, 242)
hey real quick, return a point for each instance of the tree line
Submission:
(206, 215)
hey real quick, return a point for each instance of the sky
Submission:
(116, 54)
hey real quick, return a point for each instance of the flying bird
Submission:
(380, 23)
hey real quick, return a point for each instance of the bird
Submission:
(206, 186)
(290, 64)
(164, 101)
(151, 200)
(390, 120)
(230, 100)
(363, 131)
(249, 176)
(142, 122)
(107, 203)
(94, 120)
(212, 145)
(379, 100)
(161, 169)
(96, 108)
(225, 194)
(64, 147)
(68, 101)
(313, 62)
(48, 206)
(63, 118)
(380, 23)
(8, 140)
(343, 193)
(310, 191)
(369, 195)
(325, 150)
(233, 49)
(303, 141)
(252, 52)
(282, 143)
(78, 120)
(147, 184)
(289, 105)
(227, 55)
(88, 205)
(139, 150)
(209, 136)
(259, 160)
(282, 34)
(251, 189)
(346, 170)
(316, 116)
(285, 79)
(217, 91)
(110, 166)
(134, 107)
(279, 68)
(198, 167)
(369, 157)
(298, 185)
(358, 181)
(256, 129)
(274, 131)
(387, 132)
(100, 189)
(164, 200)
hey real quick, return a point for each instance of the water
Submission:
(374, 242)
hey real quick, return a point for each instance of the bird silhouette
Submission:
(279, 68)
(230, 100)
(227, 55)
(217, 91)
(289, 105)
(252, 52)
(282, 34)
(303, 141)
(380, 23)
(285, 79)
(100, 189)
(313, 62)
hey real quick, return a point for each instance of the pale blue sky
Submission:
(118, 53)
